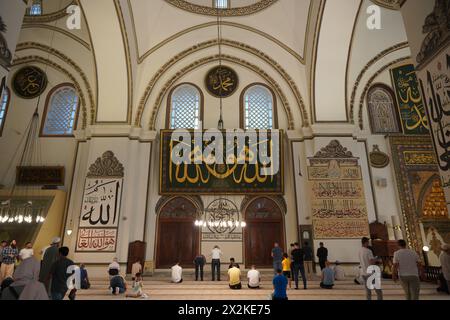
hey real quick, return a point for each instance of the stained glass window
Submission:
(185, 107)
(221, 4)
(36, 8)
(3, 107)
(258, 108)
(61, 112)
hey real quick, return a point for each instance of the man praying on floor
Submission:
(254, 278)
(327, 277)
(234, 275)
(177, 273)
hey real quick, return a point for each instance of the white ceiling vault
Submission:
(317, 55)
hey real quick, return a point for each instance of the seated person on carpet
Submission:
(233, 262)
(234, 275)
(286, 263)
(254, 278)
(136, 289)
(339, 273)
(280, 284)
(177, 273)
(327, 277)
(117, 283)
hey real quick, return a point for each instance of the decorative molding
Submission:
(106, 166)
(334, 150)
(369, 84)
(230, 12)
(48, 17)
(69, 61)
(390, 4)
(379, 56)
(238, 45)
(196, 200)
(437, 30)
(38, 59)
(59, 30)
(279, 200)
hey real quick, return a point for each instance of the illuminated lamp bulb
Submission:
(426, 248)
(69, 232)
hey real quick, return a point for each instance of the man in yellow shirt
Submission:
(286, 263)
(234, 275)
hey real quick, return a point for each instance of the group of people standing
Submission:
(23, 277)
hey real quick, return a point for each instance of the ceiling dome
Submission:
(205, 7)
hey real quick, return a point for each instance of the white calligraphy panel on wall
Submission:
(100, 208)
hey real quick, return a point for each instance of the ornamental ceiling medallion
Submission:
(390, 4)
(211, 11)
(221, 81)
(29, 82)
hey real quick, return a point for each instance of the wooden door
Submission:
(264, 228)
(178, 237)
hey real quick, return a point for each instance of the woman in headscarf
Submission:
(26, 285)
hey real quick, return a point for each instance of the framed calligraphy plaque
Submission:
(101, 202)
(409, 100)
(221, 81)
(96, 240)
(29, 82)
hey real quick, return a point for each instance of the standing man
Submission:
(407, 268)
(367, 259)
(445, 263)
(322, 254)
(199, 262)
(50, 256)
(59, 275)
(308, 260)
(277, 256)
(298, 256)
(215, 262)
(9, 256)
(26, 252)
(3, 245)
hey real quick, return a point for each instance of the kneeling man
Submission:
(234, 275)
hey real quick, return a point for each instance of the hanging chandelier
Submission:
(221, 216)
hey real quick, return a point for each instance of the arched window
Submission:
(60, 111)
(258, 108)
(185, 106)
(4, 102)
(383, 111)
(221, 4)
(36, 8)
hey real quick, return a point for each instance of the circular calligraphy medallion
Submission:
(378, 159)
(29, 82)
(222, 215)
(221, 81)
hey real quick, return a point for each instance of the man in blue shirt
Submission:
(327, 277)
(280, 283)
(277, 255)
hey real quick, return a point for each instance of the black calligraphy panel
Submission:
(29, 82)
(221, 81)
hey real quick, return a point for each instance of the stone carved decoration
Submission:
(211, 11)
(390, 4)
(178, 208)
(378, 159)
(382, 109)
(248, 201)
(334, 150)
(437, 28)
(106, 166)
(5, 53)
(197, 200)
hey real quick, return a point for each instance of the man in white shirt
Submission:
(367, 259)
(114, 266)
(26, 252)
(339, 273)
(177, 273)
(407, 267)
(135, 269)
(254, 278)
(215, 262)
(444, 258)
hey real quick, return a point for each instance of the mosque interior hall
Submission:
(160, 131)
